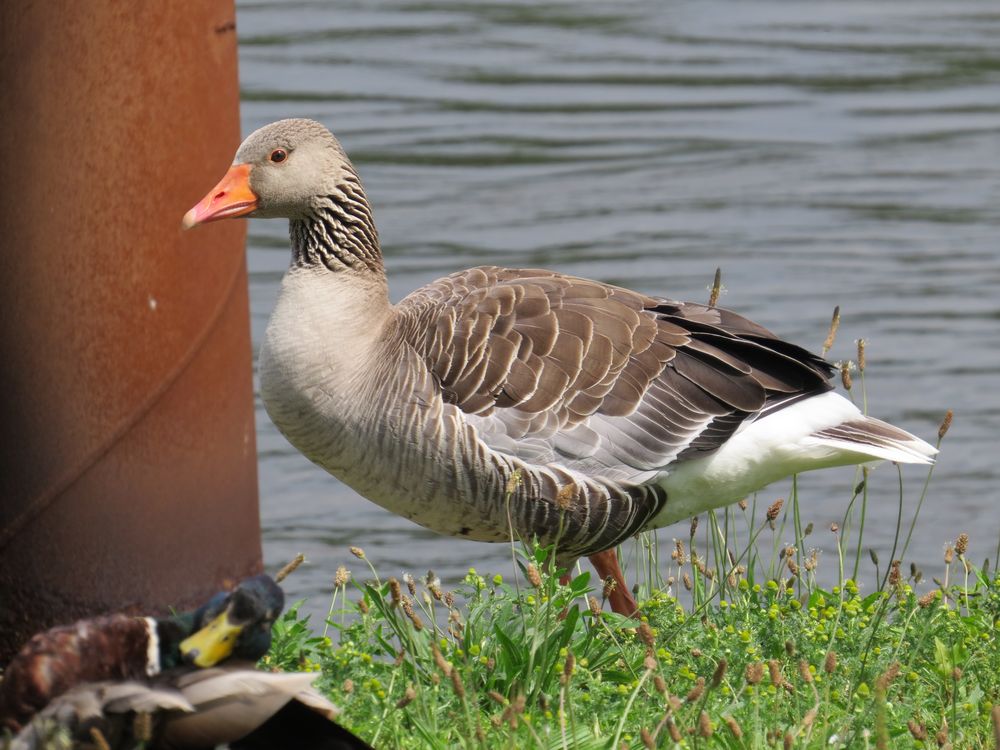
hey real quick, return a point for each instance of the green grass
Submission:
(738, 646)
(751, 655)
(527, 666)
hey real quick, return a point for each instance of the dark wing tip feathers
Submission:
(748, 341)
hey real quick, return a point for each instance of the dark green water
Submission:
(821, 154)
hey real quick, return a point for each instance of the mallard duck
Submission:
(234, 704)
(104, 672)
(498, 400)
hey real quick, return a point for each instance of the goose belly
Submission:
(385, 436)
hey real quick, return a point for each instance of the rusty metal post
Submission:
(127, 452)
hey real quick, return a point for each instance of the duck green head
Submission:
(235, 624)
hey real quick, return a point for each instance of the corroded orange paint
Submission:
(127, 447)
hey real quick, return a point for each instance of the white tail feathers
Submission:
(880, 440)
(819, 432)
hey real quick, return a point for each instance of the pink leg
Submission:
(606, 564)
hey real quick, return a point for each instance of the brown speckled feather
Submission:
(674, 379)
(590, 390)
(104, 648)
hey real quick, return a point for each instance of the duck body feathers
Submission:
(189, 710)
(619, 411)
(115, 647)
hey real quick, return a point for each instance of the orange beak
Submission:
(230, 198)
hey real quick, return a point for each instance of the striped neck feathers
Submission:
(338, 232)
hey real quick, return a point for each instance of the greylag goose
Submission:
(615, 411)
(102, 672)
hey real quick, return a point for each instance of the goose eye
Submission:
(279, 155)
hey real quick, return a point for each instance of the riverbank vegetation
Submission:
(737, 645)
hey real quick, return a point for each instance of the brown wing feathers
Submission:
(533, 341)
(595, 387)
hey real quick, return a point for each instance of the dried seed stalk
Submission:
(945, 424)
(408, 696)
(289, 568)
(533, 576)
(962, 544)
(713, 297)
(832, 333)
(830, 662)
(720, 673)
(734, 727)
(440, 661)
(342, 576)
(696, 692)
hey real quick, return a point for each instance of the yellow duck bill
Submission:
(213, 643)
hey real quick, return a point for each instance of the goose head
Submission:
(235, 625)
(282, 170)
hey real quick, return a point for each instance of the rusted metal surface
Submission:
(127, 452)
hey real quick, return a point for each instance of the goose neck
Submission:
(337, 234)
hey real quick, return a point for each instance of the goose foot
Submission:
(622, 601)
